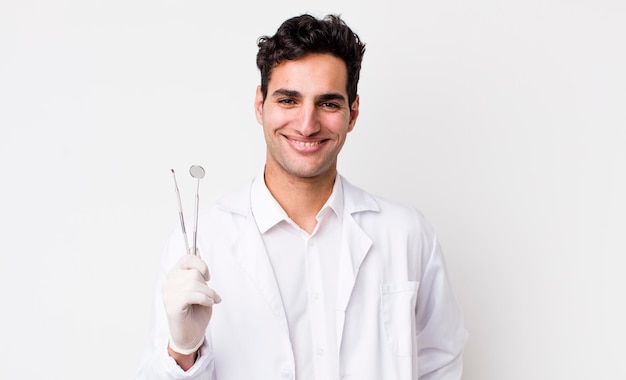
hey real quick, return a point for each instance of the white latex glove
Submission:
(188, 303)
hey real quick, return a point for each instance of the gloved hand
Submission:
(188, 303)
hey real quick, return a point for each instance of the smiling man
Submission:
(317, 279)
(305, 119)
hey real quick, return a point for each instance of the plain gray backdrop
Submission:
(503, 121)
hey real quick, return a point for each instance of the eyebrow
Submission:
(285, 92)
(332, 96)
(297, 94)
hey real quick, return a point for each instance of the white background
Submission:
(503, 121)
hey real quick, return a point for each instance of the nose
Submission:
(308, 123)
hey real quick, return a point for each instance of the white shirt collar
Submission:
(268, 212)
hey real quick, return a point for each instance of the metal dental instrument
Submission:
(180, 213)
(197, 172)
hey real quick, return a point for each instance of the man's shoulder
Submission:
(365, 198)
(236, 200)
(360, 200)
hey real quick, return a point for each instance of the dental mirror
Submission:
(197, 172)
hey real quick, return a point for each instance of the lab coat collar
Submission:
(357, 200)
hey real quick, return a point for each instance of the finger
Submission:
(200, 288)
(194, 295)
(207, 291)
(203, 295)
(215, 296)
(194, 262)
(200, 298)
(183, 279)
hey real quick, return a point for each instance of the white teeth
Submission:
(306, 143)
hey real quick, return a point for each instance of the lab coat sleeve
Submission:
(156, 363)
(441, 331)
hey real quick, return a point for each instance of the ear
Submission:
(354, 113)
(258, 105)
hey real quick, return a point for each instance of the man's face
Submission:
(306, 116)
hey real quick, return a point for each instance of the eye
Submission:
(330, 105)
(286, 101)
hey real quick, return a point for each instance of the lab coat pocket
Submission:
(398, 313)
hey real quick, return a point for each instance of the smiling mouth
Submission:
(306, 143)
(306, 146)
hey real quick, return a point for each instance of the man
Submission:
(317, 279)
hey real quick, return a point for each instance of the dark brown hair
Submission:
(301, 35)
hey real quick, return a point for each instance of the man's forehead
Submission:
(318, 73)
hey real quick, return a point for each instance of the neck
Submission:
(301, 198)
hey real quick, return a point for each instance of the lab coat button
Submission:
(286, 374)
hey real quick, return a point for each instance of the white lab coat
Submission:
(397, 317)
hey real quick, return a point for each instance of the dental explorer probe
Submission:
(180, 213)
